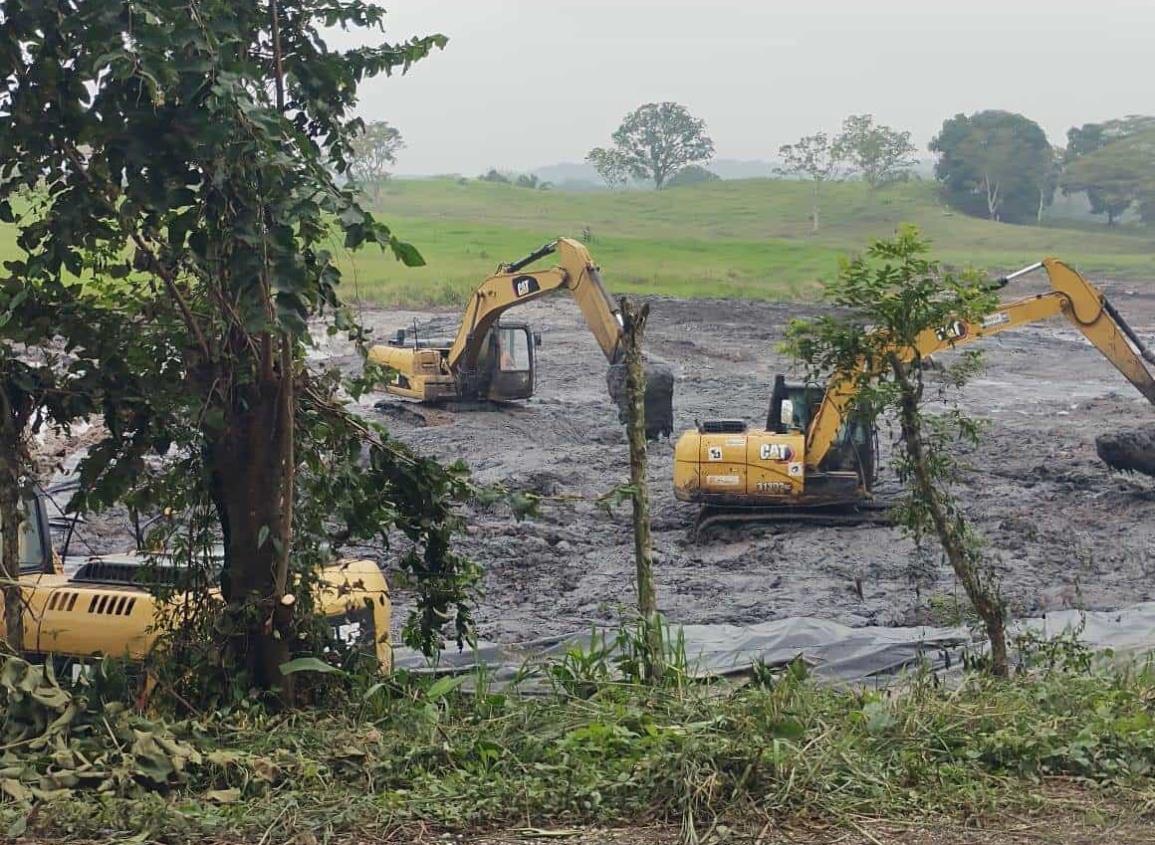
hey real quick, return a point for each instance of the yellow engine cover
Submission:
(740, 468)
(418, 373)
(83, 620)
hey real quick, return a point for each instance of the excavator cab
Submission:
(506, 365)
(792, 408)
(508, 359)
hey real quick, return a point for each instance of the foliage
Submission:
(994, 163)
(654, 142)
(186, 160)
(611, 165)
(912, 306)
(692, 174)
(881, 154)
(1114, 164)
(814, 157)
(373, 149)
(416, 751)
(73, 740)
(494, 175)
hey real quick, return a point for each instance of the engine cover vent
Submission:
(722, 427)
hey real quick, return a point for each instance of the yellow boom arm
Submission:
(511, 286)
(1083, 304)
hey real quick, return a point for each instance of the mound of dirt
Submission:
(1129, 451)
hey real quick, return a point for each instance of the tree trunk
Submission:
(11, 519)
(950, 530)
(814, 208)
(248, 489)
(992, 198)
(634, 325)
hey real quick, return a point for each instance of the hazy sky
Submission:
(525, 83)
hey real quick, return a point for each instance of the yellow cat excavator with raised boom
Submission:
(491, 360)
(816, 453)
(105, 607)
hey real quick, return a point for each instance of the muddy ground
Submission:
(1062, 529)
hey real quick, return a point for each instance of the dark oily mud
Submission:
(1061, 528)
(1128, 451)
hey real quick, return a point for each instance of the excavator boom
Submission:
(1082, 303)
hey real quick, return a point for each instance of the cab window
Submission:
(31, 549)
(513, 349)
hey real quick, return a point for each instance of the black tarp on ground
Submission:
(835, 652)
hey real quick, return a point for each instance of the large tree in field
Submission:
(183, 153)
(374, 151)
(881, 154)
(654, 142)
(995, 164)
(1111, 163)
(817, 158)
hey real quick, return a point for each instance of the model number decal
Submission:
(996, 319)
(723, 480)
(772, 487)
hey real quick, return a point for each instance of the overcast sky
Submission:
(525, 83)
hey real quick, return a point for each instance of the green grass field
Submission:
(747, 238)
(728, 239)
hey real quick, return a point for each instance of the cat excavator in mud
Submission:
(107, 606)
(815, 460)
(494, 361)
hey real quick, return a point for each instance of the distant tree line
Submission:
(993, 164)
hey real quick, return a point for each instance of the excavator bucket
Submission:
(1128, 451)
(659, 399)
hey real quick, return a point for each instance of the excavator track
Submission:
(864, 513)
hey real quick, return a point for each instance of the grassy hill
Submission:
(747, 238)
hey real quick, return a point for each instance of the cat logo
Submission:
(775, 452)
(952, 331)
(524, 286)
(715, 453)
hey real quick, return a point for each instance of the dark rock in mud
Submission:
(1129, 451)
(659, 400)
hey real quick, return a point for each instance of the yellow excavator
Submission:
(816, 453)
(104, 608)
(494, 361)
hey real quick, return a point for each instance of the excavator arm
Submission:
(513, 285)
(1071, 295)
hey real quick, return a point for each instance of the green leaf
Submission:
(407, 254)
(309, 664)
(443, 686)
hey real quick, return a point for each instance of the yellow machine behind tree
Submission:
(490, 360)
(105, 609)
(815, 452)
